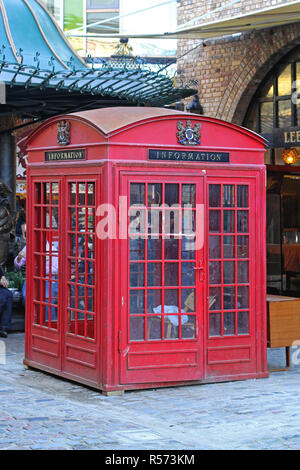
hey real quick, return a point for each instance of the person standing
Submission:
(6, 302)
(20, 262)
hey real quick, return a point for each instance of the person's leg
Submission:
(6, 302)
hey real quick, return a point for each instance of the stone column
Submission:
(8, 165)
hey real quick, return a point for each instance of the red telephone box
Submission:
(146, 249)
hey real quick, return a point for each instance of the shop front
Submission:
(146, 249)
(275, 114)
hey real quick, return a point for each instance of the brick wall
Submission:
(230, 69)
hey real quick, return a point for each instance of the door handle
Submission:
(200, 269)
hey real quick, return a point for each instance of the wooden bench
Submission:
(283, 314)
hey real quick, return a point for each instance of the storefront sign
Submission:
(65, 155)
(189, 156)
(281, 138)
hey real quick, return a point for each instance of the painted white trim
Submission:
(8, 32)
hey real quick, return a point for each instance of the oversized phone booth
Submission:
(146, 249)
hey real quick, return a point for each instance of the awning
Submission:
(44, 76)
(253, 21)
(42, 93)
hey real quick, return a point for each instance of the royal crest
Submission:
(188, 135)
(63, 132)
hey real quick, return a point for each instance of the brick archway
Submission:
(262, 52)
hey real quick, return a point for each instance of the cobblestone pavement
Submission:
(39, 411)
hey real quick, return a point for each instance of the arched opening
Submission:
(275, 113)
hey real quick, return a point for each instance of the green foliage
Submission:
(15, 279)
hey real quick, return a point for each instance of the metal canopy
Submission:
(45, 76)
(253, 21)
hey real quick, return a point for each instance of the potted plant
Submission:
(15, 283)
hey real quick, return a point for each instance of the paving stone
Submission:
(39, 411)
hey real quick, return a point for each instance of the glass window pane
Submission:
(242, 246)
(229, 298)
(137, 301)
(285, 82)
(268, 89)
(154, 194)
(243, 323)
(111, 26)
(171, 327)
(228, 195)
(154, 248)
(137, 249)
(229, 323)
(214, 195)
(188, 248)
(228, 246)
(171, 301)
(154, 301)
(228, 221)
(188, 222)
(137, 221)
(137, 328)
(171, 248)
(91, 194)
(154, 274)
(284, 113)
(154, 222)
(188, 326)
(102, 4)
(242, 221)
(81, 193)
(214, 272)
(137, 193)
(187, 274)
(214, 247)
(242, 196)
(171, 194)
(242, 272)
(171, 274)
(55, 193)
(137, 274)
(214, 221)
(215, 324)
(214, 298)
(188, 194)
(188, 300)
(266, 117)
(154, 327)
(228, 272)
(243, 296)
(73, 14)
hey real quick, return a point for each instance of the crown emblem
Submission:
(63, 133)
(188, 135)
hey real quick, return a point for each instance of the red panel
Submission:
(229, 354)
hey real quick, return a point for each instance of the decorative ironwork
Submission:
(188, 135)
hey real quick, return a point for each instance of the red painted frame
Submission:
(116, 143)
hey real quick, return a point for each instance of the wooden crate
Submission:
(283, 320)
(283, 323)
